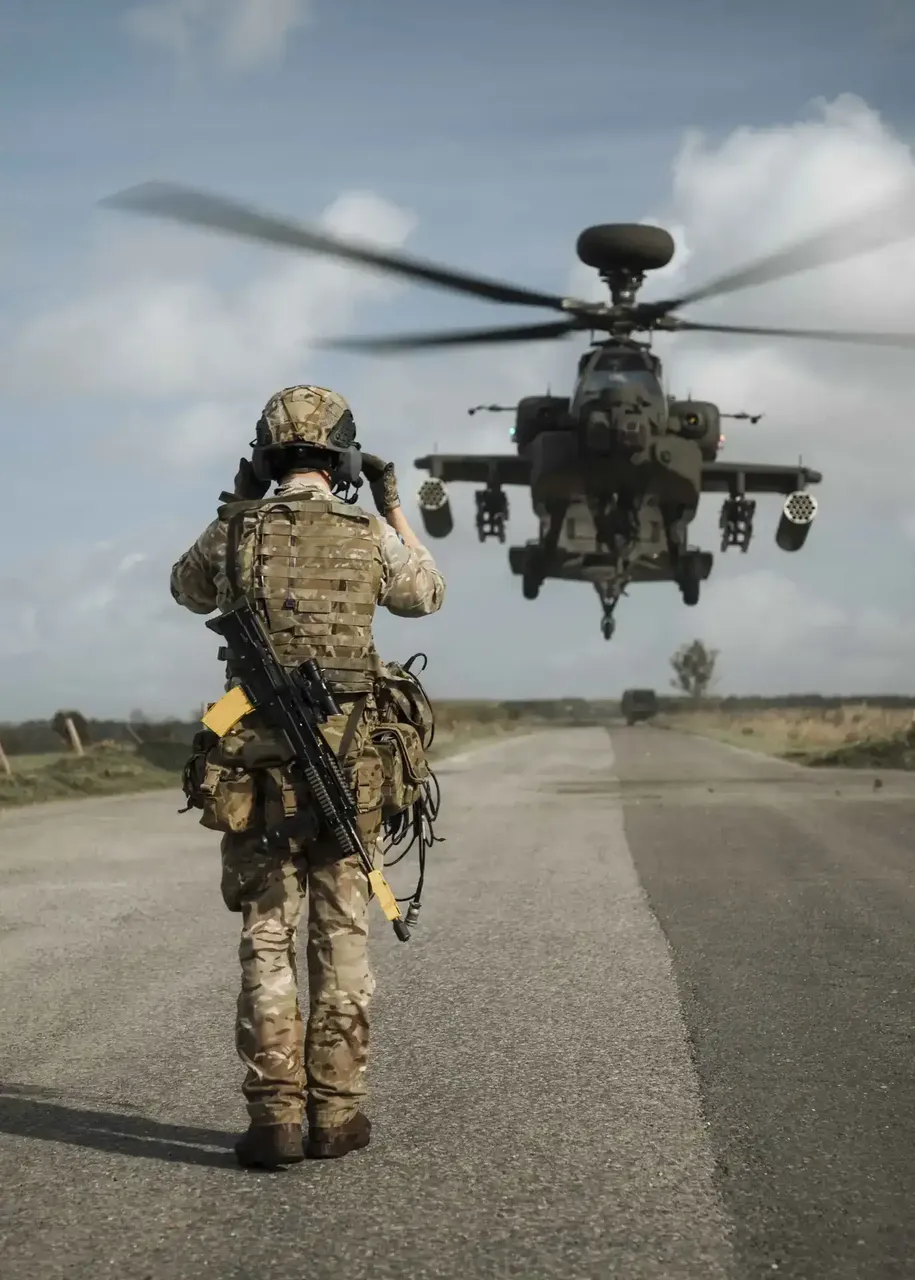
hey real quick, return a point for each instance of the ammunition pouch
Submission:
(241, 781)
(367, 779)
(215, 781)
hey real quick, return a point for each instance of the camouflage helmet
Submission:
(307, 415)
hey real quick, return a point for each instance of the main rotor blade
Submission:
(187, 205)
(885, 224)
(904, 340)
(455, 338)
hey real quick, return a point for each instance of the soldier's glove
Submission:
(247, 484)
(382, 482)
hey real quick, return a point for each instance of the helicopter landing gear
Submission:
(609, 598)
(689, 578)
(736, 522)
(492, 513)
(532, 573)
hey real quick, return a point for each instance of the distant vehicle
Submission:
(639, 704)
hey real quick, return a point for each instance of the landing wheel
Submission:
(607, 627)
(532, 576)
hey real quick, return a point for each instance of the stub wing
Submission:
(717, 477)
(755, 477)
(476, 468)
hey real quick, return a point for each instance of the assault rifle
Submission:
(293, 703)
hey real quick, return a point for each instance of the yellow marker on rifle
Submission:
(386, 899)
(226, 713)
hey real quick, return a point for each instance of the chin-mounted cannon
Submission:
(435, 509)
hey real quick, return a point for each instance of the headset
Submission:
(341, 458)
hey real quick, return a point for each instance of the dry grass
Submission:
(840, 733)
(107, 768)
(29, 763)
(117, 768)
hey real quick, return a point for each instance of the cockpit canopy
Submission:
(607, 367)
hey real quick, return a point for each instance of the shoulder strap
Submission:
(352, 725)
(228, 509)
(233, 538)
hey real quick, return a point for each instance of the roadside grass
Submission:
(119, 768)
(29, 763)
(107, 768)
(857, 736)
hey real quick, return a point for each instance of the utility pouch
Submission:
(367, 779)
(401, 699)
(229, 798)
(403, 734)
(404, 765)
(216, 782)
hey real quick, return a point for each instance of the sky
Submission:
(135, 357)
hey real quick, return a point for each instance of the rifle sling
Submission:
(352, 725)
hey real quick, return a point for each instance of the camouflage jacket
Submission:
(411, 585)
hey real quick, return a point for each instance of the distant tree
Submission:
(694, 669)
(59, 725)
(137, 716)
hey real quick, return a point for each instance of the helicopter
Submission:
(616, 469)
(639, 541)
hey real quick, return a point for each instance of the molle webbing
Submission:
(312, 568)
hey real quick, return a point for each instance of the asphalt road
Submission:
(656, 1021)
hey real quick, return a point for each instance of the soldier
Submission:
(315, 567)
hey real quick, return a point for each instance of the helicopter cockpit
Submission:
(606, 367)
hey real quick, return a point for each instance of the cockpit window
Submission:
(621, 362)
(643, 378)
(613, 367)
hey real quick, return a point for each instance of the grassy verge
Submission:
(117, 768)
(107, 769)
(851, 736)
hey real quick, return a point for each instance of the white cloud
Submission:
(148, 334)
(846, 409)
(246, 34)
(103, 634)
(184, 357)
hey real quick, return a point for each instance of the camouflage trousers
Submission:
(291, 1070)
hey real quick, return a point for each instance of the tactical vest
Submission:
(312, 568)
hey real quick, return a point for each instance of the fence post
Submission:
(74, 737)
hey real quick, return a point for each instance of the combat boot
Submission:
(270, 1146)
(331, 1143)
